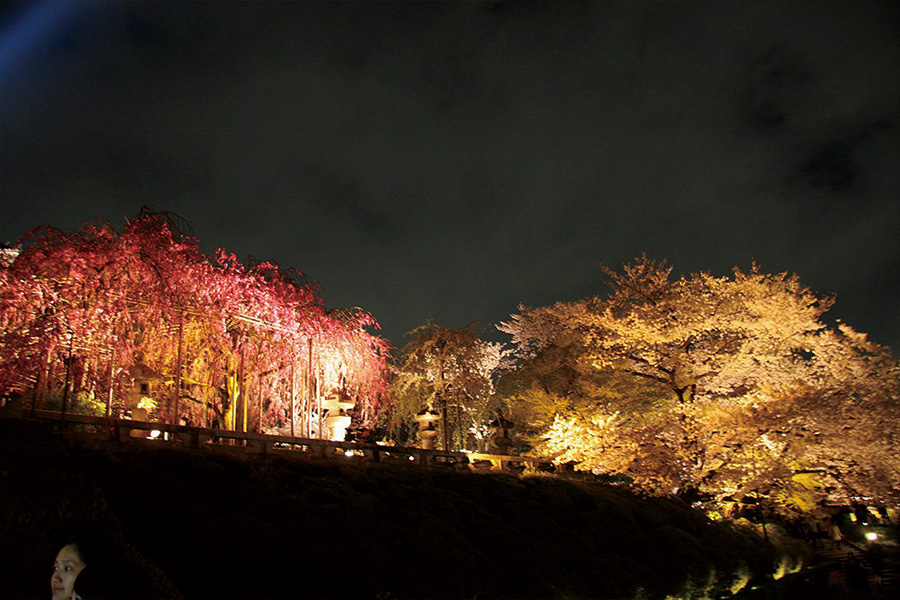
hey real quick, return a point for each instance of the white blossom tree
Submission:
(745, 388)
(449, 371)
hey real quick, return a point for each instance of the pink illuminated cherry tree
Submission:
(244, 347)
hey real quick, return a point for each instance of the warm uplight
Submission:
(871, 536)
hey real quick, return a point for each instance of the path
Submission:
(856, 573)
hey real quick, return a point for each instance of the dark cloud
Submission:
(451, 160)
(779, 87)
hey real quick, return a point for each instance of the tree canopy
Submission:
(449, 371)
(244, 346)
(714, 387)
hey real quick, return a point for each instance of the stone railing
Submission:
(146, 434)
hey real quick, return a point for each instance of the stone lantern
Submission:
(337, 420)
(427, 431)
(500, 440)
(140, 382)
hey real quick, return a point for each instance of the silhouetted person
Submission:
(836, 536)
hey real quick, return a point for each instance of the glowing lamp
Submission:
(871, 536)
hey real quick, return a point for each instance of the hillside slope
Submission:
(205, 526)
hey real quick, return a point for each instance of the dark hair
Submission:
(99, 580)
(95, 583)
(97, 551)
(86, 549)
(115, 570)
(92, 543)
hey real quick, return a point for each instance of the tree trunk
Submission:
(42, 380)
(259, 402)
(178, 367)
(65, 397)
(308, 403)
(232, 394)
(293, 398)
(459, 428)
(242, 398)
(689, 438)
(109, 393)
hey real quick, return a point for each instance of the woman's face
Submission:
(66, 568)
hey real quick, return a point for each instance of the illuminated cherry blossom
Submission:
(238, 346)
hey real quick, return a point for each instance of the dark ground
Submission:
(199, 525)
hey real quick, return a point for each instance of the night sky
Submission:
(449, 161)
